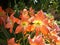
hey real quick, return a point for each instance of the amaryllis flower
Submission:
(37, 40)
(30, 28)
(24, 14)
(58, 42)
(51, 23)
(24, 23)
(39, 22)
(44, 30)
(56, 26)
(3, 16)
(40, 15)
(22, 27)
(55, 37)
(14, 19)
(10, 22)
(12, 42)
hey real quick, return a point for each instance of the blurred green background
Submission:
(48, 6)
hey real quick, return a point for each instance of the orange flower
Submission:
(3, 16)
(51, 23)
(30, 28)
(22, 27)
(24, 14)
(24, 23)
(9, 24)
(12, 42)
(40, 15)
(53, 32)
(37, 31)
(14, 19)
(18, 29)
(36, 40)
(54, 36)
(58, 42)
(40, 20)
(44, 30)
(2, 12)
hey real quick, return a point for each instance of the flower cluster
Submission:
(45, 29)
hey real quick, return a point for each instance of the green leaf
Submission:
(3, 42)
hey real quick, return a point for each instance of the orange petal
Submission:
(11, 30)
(53, 32)
(53, 38)
(31, 12)
(44, 30)
(45, 21)
(37, 31)
(12, 41)
(14, 19)
(18, 29)
(58, 42)
(41, 15)
(17, 20)
(10, 26)
(30, 28)
(36, 40)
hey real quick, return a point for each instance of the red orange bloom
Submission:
(9, 24)
(24, 23)
(44, 30)
(12, 42)
(42, 27)
(36, 40)
(3, 16)
(39, 21)
(22, 26)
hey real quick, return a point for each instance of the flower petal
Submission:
(44, 30)
(18, 29)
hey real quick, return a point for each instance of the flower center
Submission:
(37, 23)
(24, 24)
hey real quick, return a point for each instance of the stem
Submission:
(9, 4)
(15, 2)
(27, 42)
(4, 31)
(23, 38)
(13, 33)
